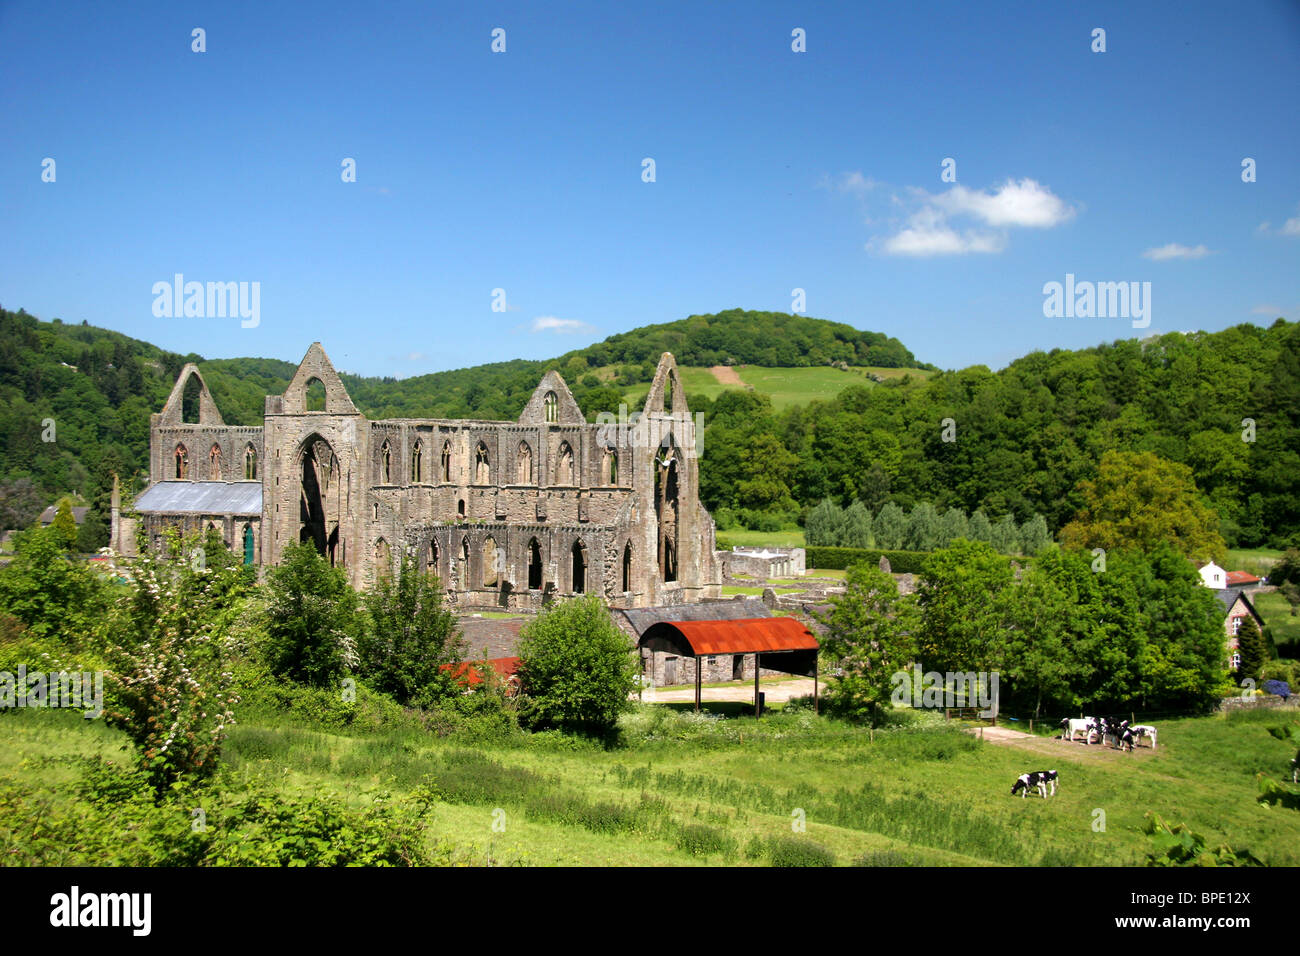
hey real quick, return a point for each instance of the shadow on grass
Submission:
(720, 708)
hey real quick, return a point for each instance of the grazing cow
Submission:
(1039, 779)
(1144, 730)
(1127, 739)
(1080, 725)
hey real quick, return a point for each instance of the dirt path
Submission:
(727, 376)
(1054, 746)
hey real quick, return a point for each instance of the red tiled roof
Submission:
(744, 636)
(467, 671)
(1241, 577)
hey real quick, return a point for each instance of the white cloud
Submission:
(1289, 228)
(1176, 250)
(1266, 310)
(933, 226)
(1025, 203)
(928, 234)
(549, 323)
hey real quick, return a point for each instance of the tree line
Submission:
(924, 529)
(1223, 406)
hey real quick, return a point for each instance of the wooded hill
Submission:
(1024, 436)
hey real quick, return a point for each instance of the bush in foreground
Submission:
(577, 668)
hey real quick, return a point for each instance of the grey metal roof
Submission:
(749, 607)
(204, 497)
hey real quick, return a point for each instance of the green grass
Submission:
(693, 789)
(1276, 612)
(786, 538)
(1257, 561)
(786, 386)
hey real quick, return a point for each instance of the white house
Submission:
(1213, 576)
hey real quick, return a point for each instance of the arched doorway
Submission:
(534, 565)
(579, 575)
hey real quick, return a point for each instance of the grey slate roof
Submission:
(50, 513)
(736, 609)
(1228, 597)
(204, 497)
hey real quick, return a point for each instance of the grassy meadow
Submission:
(785, 386)
(686, 789)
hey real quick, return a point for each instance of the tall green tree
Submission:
(891, 527)
(924, 532)
(962, 608)
(856, 531)
(1138, 500)
(1250, 644)
(825, 525)
(312, 620)
(869, 632)
(410, 635)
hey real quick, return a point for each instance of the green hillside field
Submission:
(685, 789)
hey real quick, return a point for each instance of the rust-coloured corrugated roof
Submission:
(467, 674)
(745, 636)
(1242, 577)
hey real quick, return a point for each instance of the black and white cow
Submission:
(1080, 725)
(1141, 731)
(1040, 779)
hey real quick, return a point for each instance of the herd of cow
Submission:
(1118, 732)
(1112, 729)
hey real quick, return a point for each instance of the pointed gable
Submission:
(567, 411)
(173, 411)
(316, 365)
(659, 399)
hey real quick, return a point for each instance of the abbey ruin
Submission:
(507, 514)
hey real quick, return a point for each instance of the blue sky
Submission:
(522, 170)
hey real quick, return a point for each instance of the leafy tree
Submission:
(170, 687)
(1139, 500)
(65, 525)
(891, 527)
(312, 620)
(1006, 536)
(576, 669)
(979, 528)
(952, 526)
(20, 503)
(856, 530)
(411, 634)
(825, 525)
(962, 608)
(1034, 536)
(1250, 644)
(1040, 666)
(923, 528)
(51, 594)
(869, 633)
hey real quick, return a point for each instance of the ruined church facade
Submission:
(507, 514)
